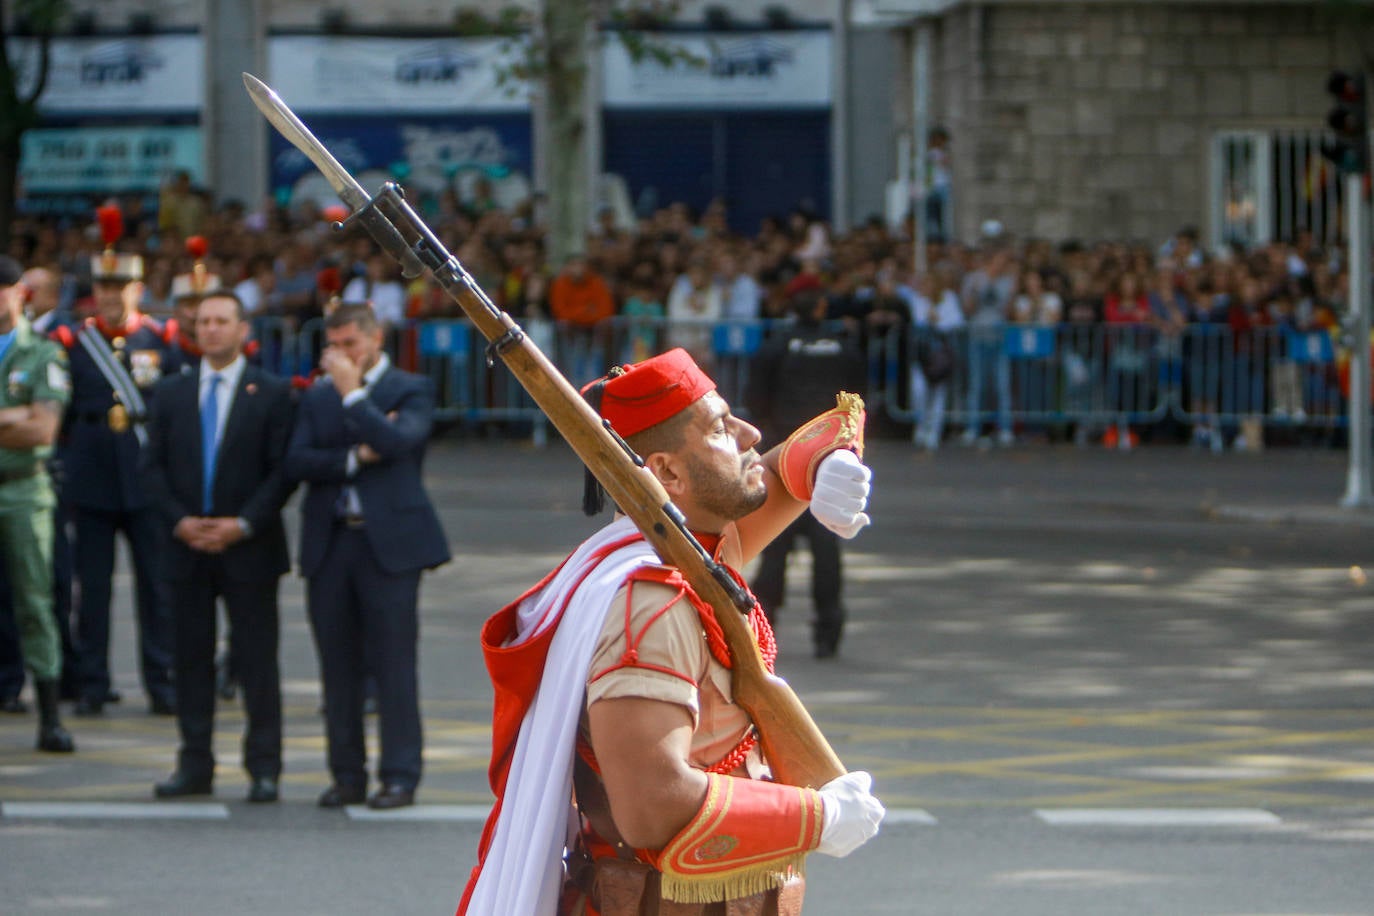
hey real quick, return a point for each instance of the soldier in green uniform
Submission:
(34, 389)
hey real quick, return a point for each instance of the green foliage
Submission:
(636, 24)
(38, 19)
(41, 16)
(508, 23)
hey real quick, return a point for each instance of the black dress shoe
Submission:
(388, 797)
(162, 706)
(336, 796)
(86, 707)
(54, 739)
(14, 706)
(262, 789)
(113, 696)
(181, 784)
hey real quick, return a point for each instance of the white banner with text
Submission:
(722, 70)
(366, 75)
(135, 74)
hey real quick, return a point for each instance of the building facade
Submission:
(1089, 119)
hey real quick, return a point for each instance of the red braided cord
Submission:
(768, 648)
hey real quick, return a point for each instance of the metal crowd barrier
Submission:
(1104, 375)
(1093, 376)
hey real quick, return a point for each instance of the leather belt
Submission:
(24, 474)
(101, 417)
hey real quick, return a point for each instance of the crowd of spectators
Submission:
(677, 263)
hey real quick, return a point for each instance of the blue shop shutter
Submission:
(736, 338)
(444, 338)
(1029, 342)
(1309, 346)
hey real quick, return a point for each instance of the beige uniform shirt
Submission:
(674, 665)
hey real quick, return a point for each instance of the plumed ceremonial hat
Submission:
(638, 396)
(118, 267)
(109, 264)
(199, 282)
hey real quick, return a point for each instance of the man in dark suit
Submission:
(214, 468)
(368, 530)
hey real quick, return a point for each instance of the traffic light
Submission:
(1350, 123)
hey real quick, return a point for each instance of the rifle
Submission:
(794, 746)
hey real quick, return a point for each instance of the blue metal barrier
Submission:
(1091, 377)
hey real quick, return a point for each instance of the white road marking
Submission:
(909, 816)
(459, 814)
(134, 811)
(1157, 817)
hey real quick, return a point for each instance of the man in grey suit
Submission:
(214, 469)
(368, 530)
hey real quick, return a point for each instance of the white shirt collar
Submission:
(229, 373)
(378, 369)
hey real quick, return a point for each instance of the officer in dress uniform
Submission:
(117, 356)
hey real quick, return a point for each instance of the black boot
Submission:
(52, 737)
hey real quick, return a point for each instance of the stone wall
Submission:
(1095, 120)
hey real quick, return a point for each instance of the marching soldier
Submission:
(36, 389)
(117, 356)
(614, 684)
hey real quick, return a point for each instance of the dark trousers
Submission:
(95, 555)
(365, 622)
(254, 630)
(11, 658)
(770, 584)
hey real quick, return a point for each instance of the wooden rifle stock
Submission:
(794, 746)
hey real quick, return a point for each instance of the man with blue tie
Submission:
(368, 531)
(215, 469)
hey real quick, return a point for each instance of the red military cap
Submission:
(638, 396)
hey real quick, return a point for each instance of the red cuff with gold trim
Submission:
(748, 837)
(837, 428)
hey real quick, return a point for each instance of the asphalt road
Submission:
(1086, 682)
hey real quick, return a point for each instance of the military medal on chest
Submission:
(145, 367)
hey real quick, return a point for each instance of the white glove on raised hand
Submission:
(840, 493)
(852, 814)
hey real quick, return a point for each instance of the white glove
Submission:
(852, 814)
(840, 493)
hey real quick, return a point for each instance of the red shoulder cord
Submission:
(768, 648)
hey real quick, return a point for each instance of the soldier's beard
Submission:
(727, 497)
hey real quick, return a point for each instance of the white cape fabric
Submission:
(522, 874)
